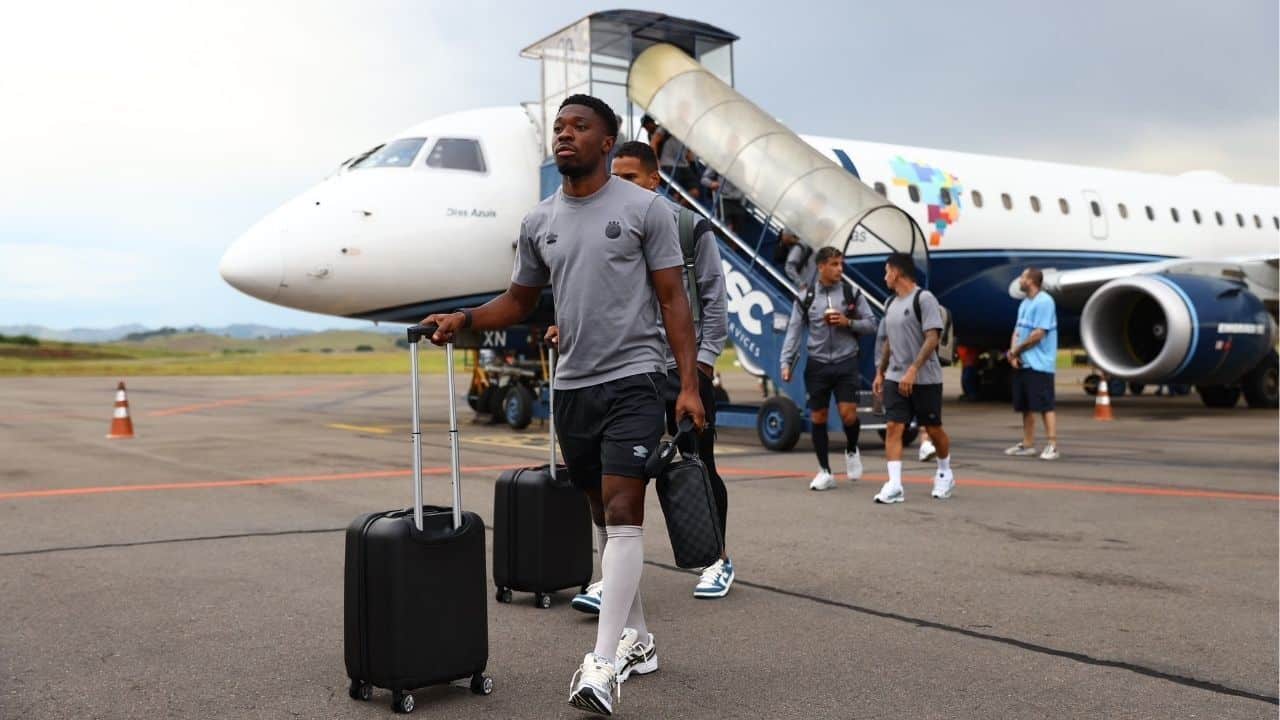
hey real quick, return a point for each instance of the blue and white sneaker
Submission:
(589, 601)
(715, 581)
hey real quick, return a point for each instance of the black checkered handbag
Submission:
(684, 490)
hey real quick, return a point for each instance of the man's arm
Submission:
(711, 291)
(659, 137)
(503, 311)
(864, 323)
(930, 346)
(668, 285)
(1032, 340)
(791, 344)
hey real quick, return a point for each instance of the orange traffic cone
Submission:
(121, 423)
(1102, 407)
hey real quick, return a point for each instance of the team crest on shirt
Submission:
(551, 238)
(613, 229)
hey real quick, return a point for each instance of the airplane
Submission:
(1163, 279)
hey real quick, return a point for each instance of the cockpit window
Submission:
(456, 154)
(397, 153)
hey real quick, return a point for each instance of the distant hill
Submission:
(142, 333)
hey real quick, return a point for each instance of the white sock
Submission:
(621, 567)
(944, 464)
(602, 539)
(895, 473)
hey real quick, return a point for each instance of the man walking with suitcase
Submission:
(635, 162)
(909, 376)
(830, 315)
(610, 253)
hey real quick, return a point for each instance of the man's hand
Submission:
(448, 324)
(837, 319)
(786, 374)
(1014, 360)
(553, 336)
(689, 404)
(877, 385)
(907, 382)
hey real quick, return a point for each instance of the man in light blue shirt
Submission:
(1033, 352)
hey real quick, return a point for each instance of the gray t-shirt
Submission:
(597, 252)
(672, 154)
(905, 335)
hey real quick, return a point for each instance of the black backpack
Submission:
(946, 336)
(850, 298)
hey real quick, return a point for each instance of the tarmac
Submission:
(195, 571)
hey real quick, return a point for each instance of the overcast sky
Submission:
(140, 138)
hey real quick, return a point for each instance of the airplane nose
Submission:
(254, 265)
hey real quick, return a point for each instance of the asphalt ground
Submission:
(196, 570)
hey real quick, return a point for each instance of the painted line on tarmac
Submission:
(283, 480)
(360, 428)
(251, 399)
(964, 482)
(1014, 642)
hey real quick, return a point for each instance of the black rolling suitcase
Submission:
(415, 601)
(541, 529)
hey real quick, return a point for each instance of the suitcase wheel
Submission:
(503, 595)
(402, 702)
(360, 690)
(541, 600)
(481, 684)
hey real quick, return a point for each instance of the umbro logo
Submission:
(551, 238)
(640, 451)
(613, 229)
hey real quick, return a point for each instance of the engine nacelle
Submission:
(1176, 329)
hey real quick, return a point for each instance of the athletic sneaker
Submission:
(594, 687)
(890, 494)
(715, 581)
(927, 450)
(943, 483)
(635, 656)
(853, 464)
(1050, 452)
(1020, 450)
(589, 601)
(824, 480)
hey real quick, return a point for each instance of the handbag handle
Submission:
(659, 460)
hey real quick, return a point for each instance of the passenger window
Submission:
(456, 154)
(880, 189)
(1095, 208)
(914, 192)
(1063, 206)
(1195, 215)
(1124, 211)
(1006, 201)
(1239, 219)
(977, 198)
(1035, 203)
(1257, 221)
(1151, 214)
(397, 153)
(945, 195)
(1218, 215)
(1173, 212)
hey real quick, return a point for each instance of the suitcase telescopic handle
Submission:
(415, 334)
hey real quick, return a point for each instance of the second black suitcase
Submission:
(541, 529)
(415, 606)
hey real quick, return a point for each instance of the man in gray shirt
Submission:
(798, 259)
(831, 315)
(910, 377)
(635, 162)
(609, 251)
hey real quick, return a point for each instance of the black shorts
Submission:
(706, 391)
(924, 404)
(610, 428)
(1032, 391)
(822, 380)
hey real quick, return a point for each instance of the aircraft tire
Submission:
(517, 406)
(1218, 396)
(1261, 385)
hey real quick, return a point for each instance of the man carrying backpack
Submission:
(635, 162)
(835, 315)
(909, 375)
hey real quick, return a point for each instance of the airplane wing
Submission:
(1072, 288)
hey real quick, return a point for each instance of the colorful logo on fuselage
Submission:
(931, 183)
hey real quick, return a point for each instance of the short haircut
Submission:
(599, 107)
(826, 253)
(640, 151)
(902, 263)
(645, 120)
(1036, 276)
